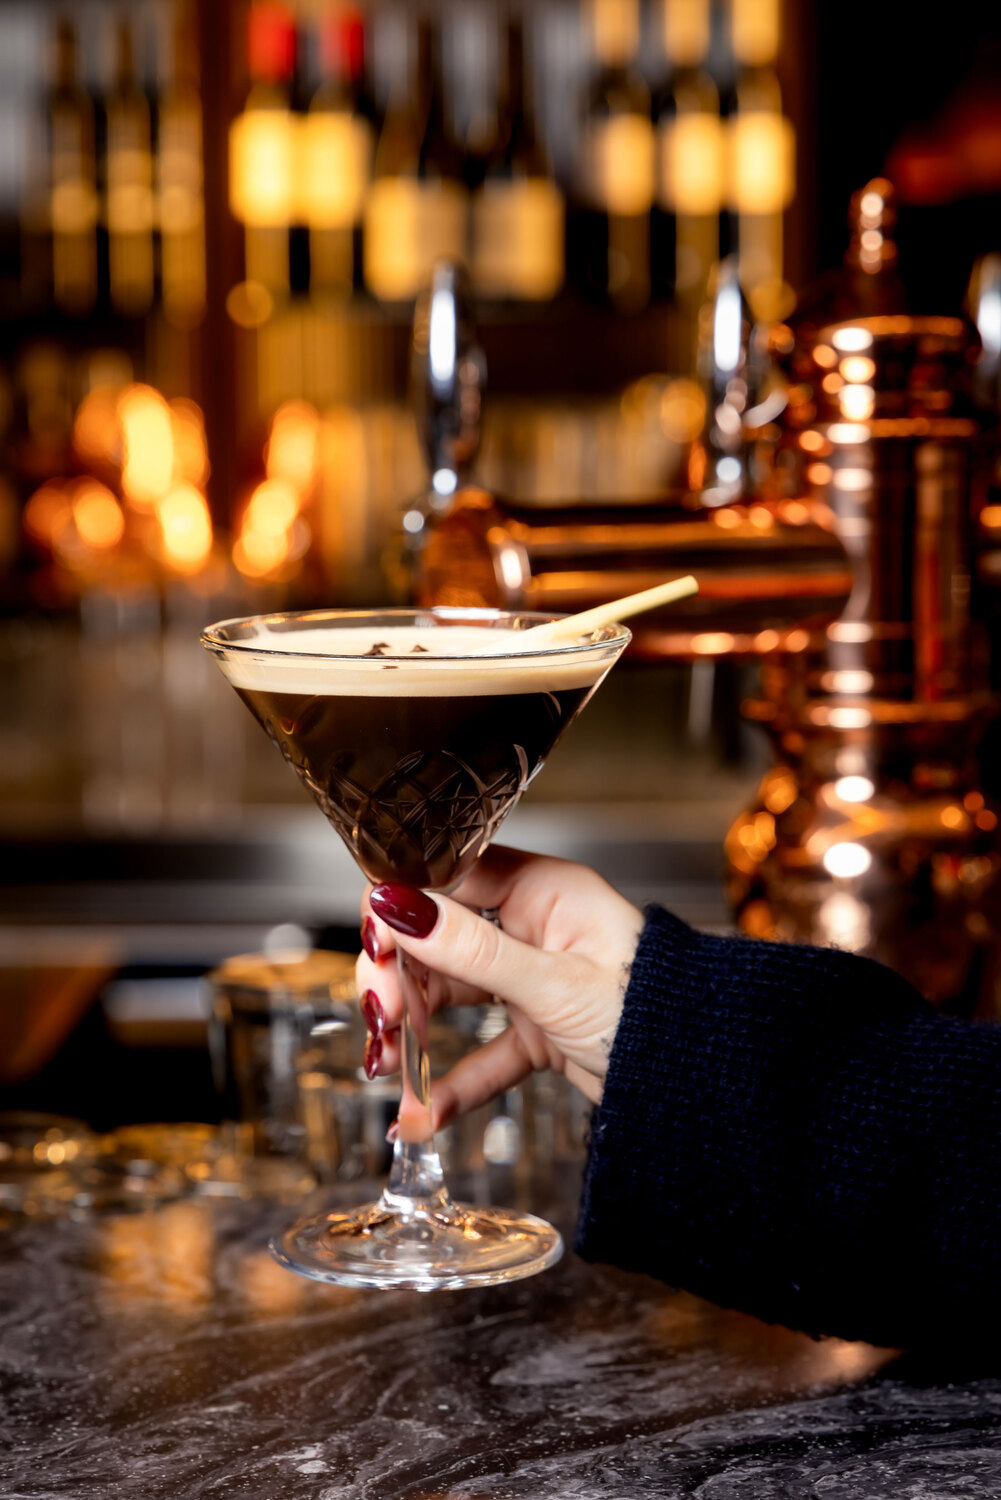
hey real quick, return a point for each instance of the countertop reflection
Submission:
(163, 1354)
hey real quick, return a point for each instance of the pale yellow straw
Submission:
(574, 626)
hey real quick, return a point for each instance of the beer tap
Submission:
(448, 375)
(723, 362)
(764, 571)
(873, 830)
(983, 303)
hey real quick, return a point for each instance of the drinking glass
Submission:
(416, 731)
(266, 1011)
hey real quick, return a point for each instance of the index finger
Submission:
(493, 878)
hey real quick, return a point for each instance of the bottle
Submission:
(129, 185)
(690, 162)
(335, 157)
(418, 203)
(518, 215)
(180, 196)
(761, 151)
(73, 202)
(262, 147)
(617, 164)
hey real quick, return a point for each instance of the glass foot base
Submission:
(447, 1246)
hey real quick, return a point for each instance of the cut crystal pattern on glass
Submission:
(431, 810)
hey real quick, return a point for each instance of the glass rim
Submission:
(616, 634)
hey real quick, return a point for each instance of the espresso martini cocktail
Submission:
(416, 732)
(416, 746)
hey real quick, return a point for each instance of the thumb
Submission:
(455, 941)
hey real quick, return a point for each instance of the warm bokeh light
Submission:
(686, 32)
(762, 162)
(847, 680)
(779, 790)
(712, 643)
(97, 515)
(847, 861)
(292, 448)
(853, 481)
(48, 511)
(850, 632)
(852, 340)
(857, 402)
(847, 432)
(272, 534)
(682, 410)
(147, 445)
(857, 368)
(257, 554)
(333, 154)
(854, 789)
(262, 167)
(755, 31)
(273, 507)
(727, 519)
(845, 922)
(191, 459)
(249, 304)
(185, 528)
(96, 431)
(693, 164)
(849, 718)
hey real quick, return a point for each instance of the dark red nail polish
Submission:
(393, 1131)
(373, 1056)
(405, 909)
(369, 941)
(375, 1016)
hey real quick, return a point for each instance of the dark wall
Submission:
(894, 80)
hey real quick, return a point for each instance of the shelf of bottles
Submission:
(526, 140)
(213, 222)
(589, 162)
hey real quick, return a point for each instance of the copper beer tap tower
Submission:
(850, 574)
(872, 831)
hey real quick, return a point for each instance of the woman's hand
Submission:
(560, 961)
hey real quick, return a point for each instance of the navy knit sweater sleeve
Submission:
(794, 1132)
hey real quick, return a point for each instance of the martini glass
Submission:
(416, 731)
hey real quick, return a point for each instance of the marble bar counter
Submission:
(162, 1355)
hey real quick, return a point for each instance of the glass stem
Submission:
(416, 1180)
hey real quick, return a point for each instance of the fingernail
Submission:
(405, 909)
(369, 940)
(393, 1131)
(373, 1056)
(375, 1016)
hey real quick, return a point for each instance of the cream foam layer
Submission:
(332, 663)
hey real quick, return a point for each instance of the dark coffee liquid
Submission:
(416, 786)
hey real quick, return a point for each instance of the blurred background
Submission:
(215, 220)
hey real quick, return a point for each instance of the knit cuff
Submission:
(666, 982)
